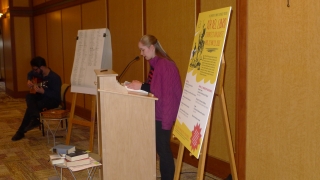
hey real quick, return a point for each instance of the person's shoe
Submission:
(33, 124)
(17, 136)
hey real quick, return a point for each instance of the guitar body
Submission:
(37, 82)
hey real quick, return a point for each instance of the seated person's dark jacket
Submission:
(53, 83)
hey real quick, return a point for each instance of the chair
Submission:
(62, 106)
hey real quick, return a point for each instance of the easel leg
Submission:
(90, 124)
(203, 152)
(228, 136)
(70, 122)
(202, 159)
(179, 162)
(93, 118)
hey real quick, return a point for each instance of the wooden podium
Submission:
(126, 130)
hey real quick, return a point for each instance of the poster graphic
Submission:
(202, 75)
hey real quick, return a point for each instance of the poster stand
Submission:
(219, 92)
(93, 51)
(89, 124)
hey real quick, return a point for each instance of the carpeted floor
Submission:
(27, 159)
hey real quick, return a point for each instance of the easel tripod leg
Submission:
(228, 136)
(73, 105)
(179, 162)
(93, 117)
(203, 152)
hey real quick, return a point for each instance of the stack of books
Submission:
(69, 156)
(56, 159)
(60, 152)
(77, 158)
(63, 149)
(93, 164)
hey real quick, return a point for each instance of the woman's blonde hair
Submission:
(149, 40)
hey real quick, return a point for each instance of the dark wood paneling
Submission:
(71, 23)
(93, 16)
(55, 46)
(241, 88)
(9, 62)
(23, 50)
(40, 38)
(173, 23)
(55, 5)
(125, 24)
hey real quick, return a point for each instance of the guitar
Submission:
(37, 82)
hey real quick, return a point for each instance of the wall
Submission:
(2, 70)
(17, 46)
(2, 76)
(55, 40)
(20, 3)
(37, 2)
(7, 53)
(23, 50)
(126, 27)
(283, 90)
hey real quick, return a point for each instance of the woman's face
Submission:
(147, 52)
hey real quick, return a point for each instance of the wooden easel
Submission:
(90, 123)
(219, 92)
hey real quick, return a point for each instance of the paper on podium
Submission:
(133, 90)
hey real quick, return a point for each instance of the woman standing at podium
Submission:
(164, 82)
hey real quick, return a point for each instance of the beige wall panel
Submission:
(125, 24)
(7, 52)
(173, 23)
(93, 17)
(55, 46)
(23, 50)
(71, 23)
(40, 36)
(283, 138)
(218, 143)
(37, 2)
(20, 3)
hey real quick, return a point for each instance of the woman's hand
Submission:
(136, 85)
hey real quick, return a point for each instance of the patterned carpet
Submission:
(27, 159)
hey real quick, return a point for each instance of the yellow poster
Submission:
(202, 75)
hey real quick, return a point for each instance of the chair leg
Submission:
(42, 127)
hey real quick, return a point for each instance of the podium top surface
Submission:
(107, 83)
(105, 72)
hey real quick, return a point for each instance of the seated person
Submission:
(40, 97)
